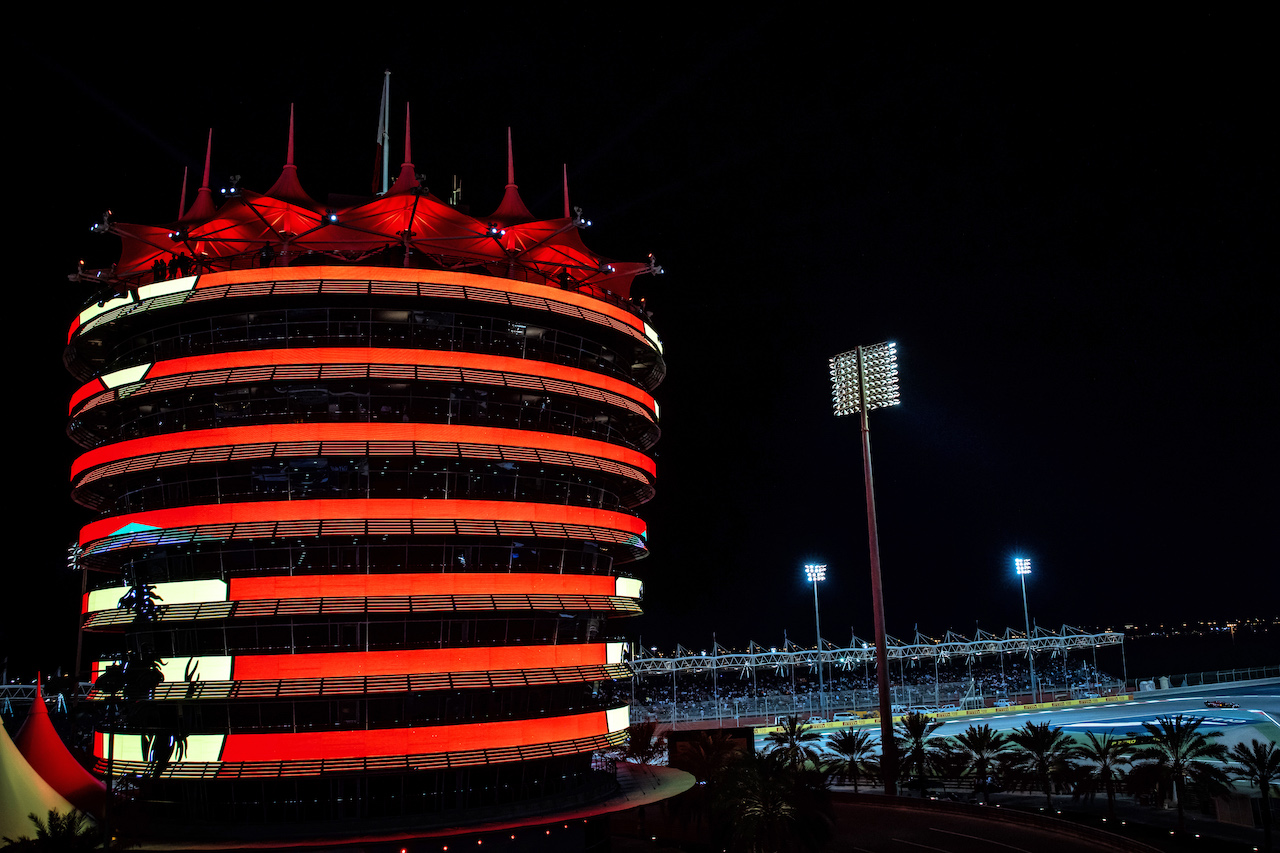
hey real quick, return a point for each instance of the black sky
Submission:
(1064, 230)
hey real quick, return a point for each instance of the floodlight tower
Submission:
(818, 572)
(863, 379)
(1023, 566)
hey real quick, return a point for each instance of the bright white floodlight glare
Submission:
(813, 572)
(879, 379)
(1022, 565)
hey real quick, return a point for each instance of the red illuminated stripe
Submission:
(362, 432)
(410, 661)
(84, 392)
(468, 280)
(373, 508)
(426, 740)
(391, 356)
(373, 586)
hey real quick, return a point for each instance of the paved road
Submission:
(875, 828)
(1257, 717)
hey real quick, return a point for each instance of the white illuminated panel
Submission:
(653, 336)
(95, 309)
(126, 376)
(617, 719)
(147, 291)
(164, 288)
(628, 588)
(613, 652)
(176, 670)
(199, 748)
(177, 592)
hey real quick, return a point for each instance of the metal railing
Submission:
(807, 705)
(1201, 679)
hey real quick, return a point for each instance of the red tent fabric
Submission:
(49, 757)
(286, 226)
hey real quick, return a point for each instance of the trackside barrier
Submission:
(977, 712)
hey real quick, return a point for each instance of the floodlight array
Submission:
(880, 379)
(815, 572)
(1023, 565)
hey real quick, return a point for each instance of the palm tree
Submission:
(707, 755)
(72, 831)
(853, 747)
(1108, 755)
(1178, 750)
(1259, 765)
(769, 805)
(644, 744)
(983, 745)
(1045, 751)
(795, 744)
(911, 733)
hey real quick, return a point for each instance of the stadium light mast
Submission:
(818, 572)
(1023, 566)
(863, 379)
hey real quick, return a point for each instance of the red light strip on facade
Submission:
(409, 661)
(395, 356)
(93, 386)
(368, 509)
(471, 281)
(424, 740)
(465, 282)
(264, 434)
(352, 586)
(370, 586)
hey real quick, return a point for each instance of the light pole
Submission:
(863, 379)
(1023, 566)
(818, 572)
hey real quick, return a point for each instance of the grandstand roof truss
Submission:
(861, 652)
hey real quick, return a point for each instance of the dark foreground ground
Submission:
(870, 823)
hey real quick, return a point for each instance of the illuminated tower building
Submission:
(367, 480)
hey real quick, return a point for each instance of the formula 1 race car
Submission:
(1218, 703)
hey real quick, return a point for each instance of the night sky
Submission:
(1064, 232)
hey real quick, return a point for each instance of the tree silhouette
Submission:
(1108, 757)
(1179, 751)
(918, 756)
(1045, 752)
(767, 804)
(795, 744)
(141, 598)
(983, 746)
(72, 831)
(644, 744)
(1259, 765)
(853, 748)
(707, 755)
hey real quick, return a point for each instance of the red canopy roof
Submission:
(48, 756)
(406, 226)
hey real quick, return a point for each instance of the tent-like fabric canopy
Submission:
(407, 226)
(48, 756)
(23, 792)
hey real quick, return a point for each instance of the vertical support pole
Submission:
(888, 750)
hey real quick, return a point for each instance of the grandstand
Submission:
(930, 673)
